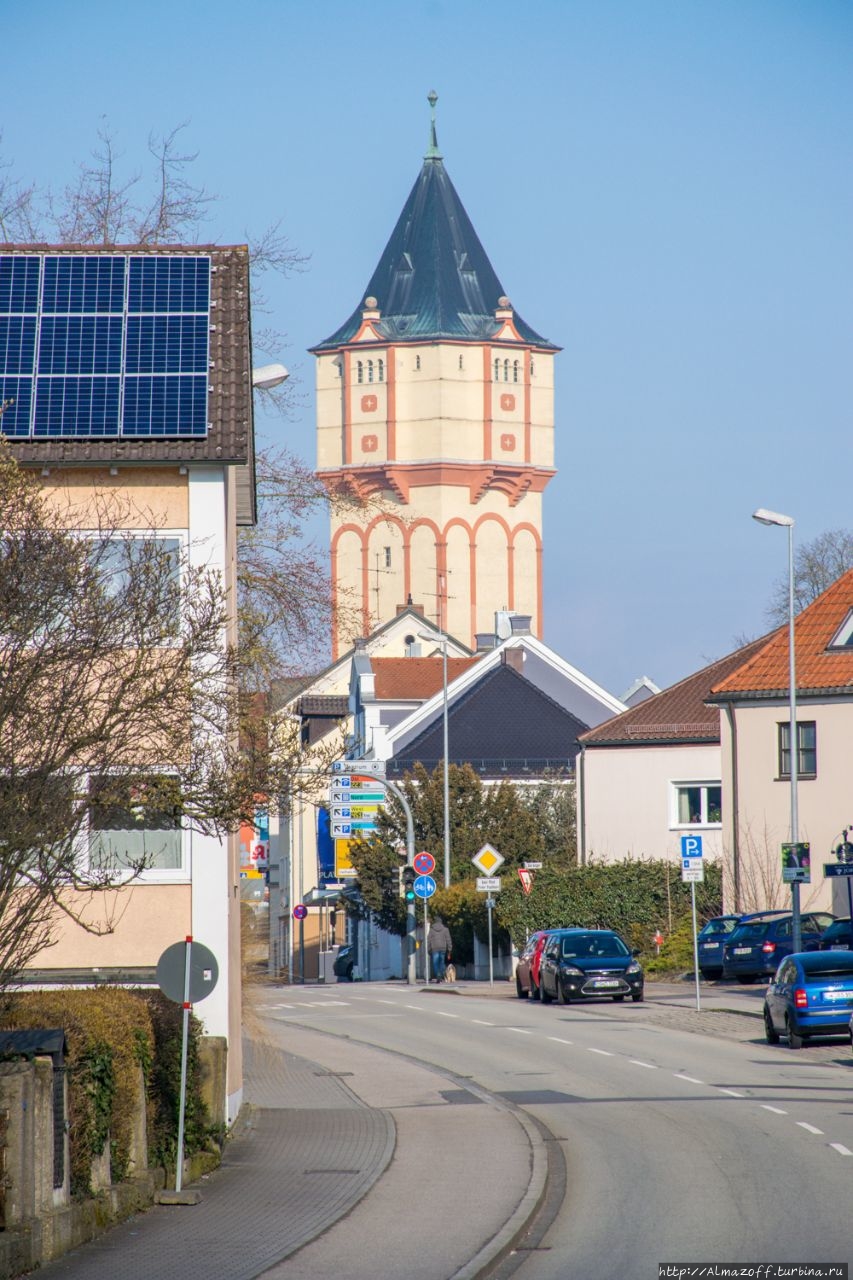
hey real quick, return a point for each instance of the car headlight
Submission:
(571, 971)
(633, 967)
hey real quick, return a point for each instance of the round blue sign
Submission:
(424, 886)
(300, 911)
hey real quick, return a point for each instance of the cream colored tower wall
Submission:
(526, 559)
(384, 570)
(424, 579)
(492, 573)
(459, 619)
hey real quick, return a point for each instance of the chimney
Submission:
(418, 608)
(519, 624)
(513, 658)
(484, 641)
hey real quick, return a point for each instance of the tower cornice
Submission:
(479, 478)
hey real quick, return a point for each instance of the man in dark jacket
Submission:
(438, 946)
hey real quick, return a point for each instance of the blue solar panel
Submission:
(77, 407)
(19, 284)
(120, 346)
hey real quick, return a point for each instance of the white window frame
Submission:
(151, 875)
(703, 784)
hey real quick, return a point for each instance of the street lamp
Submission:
(267, 376)
(442, 640)
(787, 522)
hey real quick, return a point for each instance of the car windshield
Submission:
(820, 965)
(753, 932)
(723, 924)
(593, 944)
(837, 930)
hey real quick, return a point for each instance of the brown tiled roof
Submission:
(414, 679)
(766, 673)
(229, 411)
(323, 704)
(676, 714)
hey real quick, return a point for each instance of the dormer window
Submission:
(843, 638)
(380, 369)
(360, 370)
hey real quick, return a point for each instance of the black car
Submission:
(838, 937)
(710, 941)
(344, 963)
(582, 964)
(760, 942)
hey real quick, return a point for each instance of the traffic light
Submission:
(408, 875)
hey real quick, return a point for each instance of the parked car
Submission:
(811, 995)
(527, 969)
(757, 945)
(710, 939)
(581, 964)
(344, 963)
(838, 937)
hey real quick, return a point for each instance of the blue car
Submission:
(710, 941)
(761, 941)
(811, 995)
(580, 964)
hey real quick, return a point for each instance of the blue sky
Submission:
(664, 188)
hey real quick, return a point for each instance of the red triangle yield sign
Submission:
(526, 878)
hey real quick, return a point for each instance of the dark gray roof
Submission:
(434, 279)
(503, 725)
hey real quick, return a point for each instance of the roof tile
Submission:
(414, 679)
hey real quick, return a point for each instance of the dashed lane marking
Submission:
(777, 1111)
(637, 1063)
(604, 1052)
(519, 1031)
(809, 1128)
(733, 1093)
(689, 1079)
(557, 1040)
(442, 1014)
(481, 1023)
(842, 1150)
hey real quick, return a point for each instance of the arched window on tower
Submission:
(370, 371)
(417, 362)
(497, 369)
(360, 371)
(380, 370)
(461, 365)
(532, 370)
(515, 371)
(506, 371)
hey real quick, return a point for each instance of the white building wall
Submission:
(628, 801)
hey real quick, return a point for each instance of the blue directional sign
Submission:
(691, 846)
(424, 886)
(838, 869)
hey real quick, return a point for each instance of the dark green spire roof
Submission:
(434, 279)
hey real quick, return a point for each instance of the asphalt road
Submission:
(678, 1147)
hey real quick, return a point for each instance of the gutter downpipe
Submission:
(735, 827)
(581, 798)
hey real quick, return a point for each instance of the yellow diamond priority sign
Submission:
(487, 860)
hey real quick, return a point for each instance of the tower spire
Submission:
(432, 151)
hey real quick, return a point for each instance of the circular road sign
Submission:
(424, 863)
(172, 966)
(424, 886)
(300, 911)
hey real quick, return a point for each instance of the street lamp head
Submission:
(763, 516)
(268, 376)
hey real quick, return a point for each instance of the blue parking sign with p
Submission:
(691, 846)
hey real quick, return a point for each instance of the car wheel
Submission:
(637, 997)
(545, 995)
(349, 972)
(561, 994)
(795, 1040)
(519, 989)
(534, 989)
(744, 978)
(770, 1032)
(618, 999)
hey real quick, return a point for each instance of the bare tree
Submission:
(119, 713)
(817, 564)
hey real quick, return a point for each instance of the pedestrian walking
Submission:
(439, 948)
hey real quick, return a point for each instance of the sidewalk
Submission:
(358, 1159)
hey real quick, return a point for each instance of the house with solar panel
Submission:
(435, 404)
(127, 373)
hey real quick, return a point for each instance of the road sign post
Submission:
(693, 870)
(488, 860)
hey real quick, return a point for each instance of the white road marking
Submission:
(638, 1063)
(777, 1111)
(557, 1040)
(519, 1031)
(386, 1001)
(604, 1053)
(442, 1014)
(733, 1093)
(809, 1127)
(842, 1151)
(414, 1006)
(689, 1079)
(480, 1023)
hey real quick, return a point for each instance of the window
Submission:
(142, 574)
(515, 371)
(497, 369)
(807, 743)
(698, 804)
(506, 371)
(380, 364)
(843, 638)
(532, 370)
(370, 371)
(417, 362)
(134, 824)
(359, 370)
(461, 365)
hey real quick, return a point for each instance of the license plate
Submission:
(743, 951)
(606, 982)
(839, 946)
(835, 996)
(710, 946)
